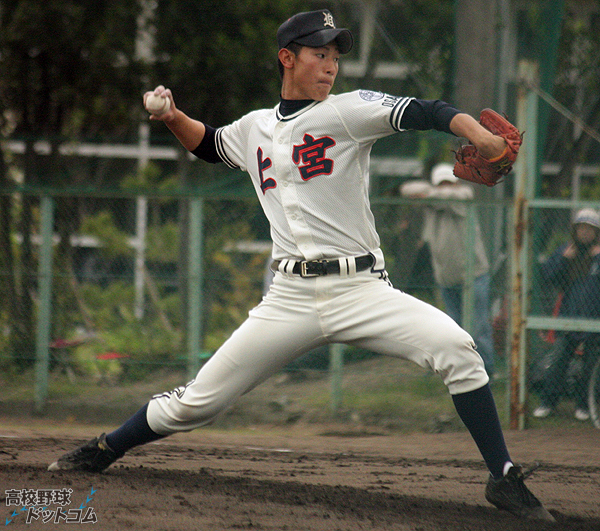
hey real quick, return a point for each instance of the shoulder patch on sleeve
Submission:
(370, 95)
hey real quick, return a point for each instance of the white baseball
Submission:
(157, 104)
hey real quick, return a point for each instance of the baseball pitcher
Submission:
(308, 159)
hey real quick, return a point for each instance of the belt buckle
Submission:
(303, 268)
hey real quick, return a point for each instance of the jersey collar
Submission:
(290, 109)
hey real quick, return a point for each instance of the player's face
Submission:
(314, 73)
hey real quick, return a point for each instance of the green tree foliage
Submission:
(67, 66)
(219, 58)
(70, 73)
(419, 34)
(66, 73)
(577, 87)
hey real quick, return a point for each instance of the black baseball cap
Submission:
(314, 28)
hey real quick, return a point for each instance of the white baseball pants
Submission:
(299, 314)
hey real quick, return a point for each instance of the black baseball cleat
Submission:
(511, 494)
(94, 456)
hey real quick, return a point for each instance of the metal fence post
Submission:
(42, 354)
(141, 225)
(336, 364)
(524, 190)
(195, 281)
(468, 298)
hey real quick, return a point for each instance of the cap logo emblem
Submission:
(328, 20)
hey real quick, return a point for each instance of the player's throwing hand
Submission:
(159, 103)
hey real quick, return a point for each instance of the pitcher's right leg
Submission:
(267, 341)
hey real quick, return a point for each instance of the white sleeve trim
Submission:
(398, 111)
(221, 149)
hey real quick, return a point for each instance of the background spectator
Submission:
(445, 231)
(574, 269)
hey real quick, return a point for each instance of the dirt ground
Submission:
(296, 479)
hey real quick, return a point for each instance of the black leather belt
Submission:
(319, 268)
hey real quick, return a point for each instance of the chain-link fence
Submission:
(563, 337)
(122, 270)
(115, 287)
(129, 285)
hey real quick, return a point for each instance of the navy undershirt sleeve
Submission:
(423, 115)
(207, 149)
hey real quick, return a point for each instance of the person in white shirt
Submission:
(445, 231)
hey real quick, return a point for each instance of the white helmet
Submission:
(588, 216)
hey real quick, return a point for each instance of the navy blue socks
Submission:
(133, 432)
(477, 410)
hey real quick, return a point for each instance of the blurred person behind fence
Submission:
(574, 268)
(445, 231)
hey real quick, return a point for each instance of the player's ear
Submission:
(286, 57)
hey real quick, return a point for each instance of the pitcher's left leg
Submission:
(375, 316)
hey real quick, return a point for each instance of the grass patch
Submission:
(378, 394)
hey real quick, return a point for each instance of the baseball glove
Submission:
(471, 166)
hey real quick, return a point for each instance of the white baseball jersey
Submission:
(311, 171)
